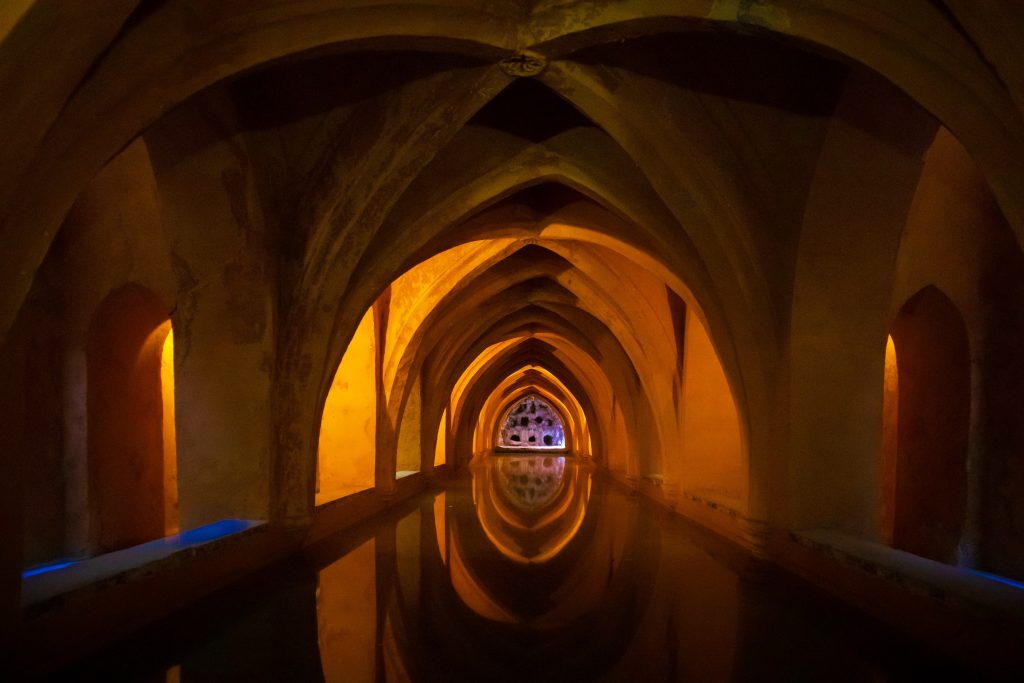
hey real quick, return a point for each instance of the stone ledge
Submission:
(45, 591)
(749, 534)
(336, 515)
(965, 590)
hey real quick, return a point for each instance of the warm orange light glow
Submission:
(170, 435)
(11, 12)
(472, 593)
(348, 430)
(890, 422)
(130, 434)
(409, 451)
(474, 368)
(562, 232)
(347, 615)
(712, 460)
(418, 291)
(506, 393)
(441, 525)
(441, 449)
(508, 528)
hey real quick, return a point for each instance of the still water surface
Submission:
(530, 570)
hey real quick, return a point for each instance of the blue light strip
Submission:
(210, 532)
(36, 571)
(1000, 579)
(161, 547)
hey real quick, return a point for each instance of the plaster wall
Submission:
(347, 447)
(224, 316)
(957, 241)
(112, 237)
(126, 472)
(409, 450)
(930, 483)
(619, 457)
(416, 293)
(441, 447)
(115, 235)
(170, 437)
(30, 394)
(874, 148)
(712, 460)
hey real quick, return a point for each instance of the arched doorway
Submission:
(132, 459)
(926, 428)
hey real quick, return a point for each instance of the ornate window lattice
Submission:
(532, 424)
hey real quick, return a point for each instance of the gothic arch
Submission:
(927, 460)
(132, 490)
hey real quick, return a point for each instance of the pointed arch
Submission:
(531, 422)
(929, 376)
(131, 446)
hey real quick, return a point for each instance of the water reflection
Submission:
(346, 605)
(591, 584)
(530, 506)
(528, 482)
(469, 585)
(478, 588)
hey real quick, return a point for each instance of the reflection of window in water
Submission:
(530, 482)
(532, 423)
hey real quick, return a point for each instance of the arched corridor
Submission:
(550, 275)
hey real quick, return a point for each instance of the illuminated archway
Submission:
(522, 373)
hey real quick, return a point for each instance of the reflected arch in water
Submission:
(530, 482)
(570, 618)
(530, 533)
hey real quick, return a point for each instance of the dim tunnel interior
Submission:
(564, 319)
(521, 341)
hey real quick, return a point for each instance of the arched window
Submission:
(531, 423)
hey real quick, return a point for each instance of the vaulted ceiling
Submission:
(597, 152)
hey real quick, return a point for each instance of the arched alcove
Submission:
(131, 442)
(490, 404)
(926, 430)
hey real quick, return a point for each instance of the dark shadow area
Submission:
(298, 88)
(752, 68)
(530, 110)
